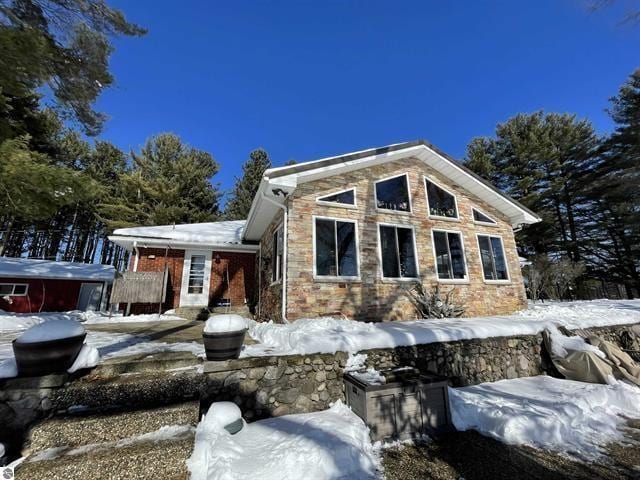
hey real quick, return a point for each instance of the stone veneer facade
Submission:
(371, 298)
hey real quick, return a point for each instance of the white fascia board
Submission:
(127, 242)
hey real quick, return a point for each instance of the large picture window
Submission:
(397, 251)
(393, 194)
(276, 260)
(449, 251)
(441, 202)
(336, 248)
(494, 264)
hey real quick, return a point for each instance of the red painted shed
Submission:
(30, 285)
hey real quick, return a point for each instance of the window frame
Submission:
(389, 210)
(455, 201)
(415, 253)
(339, 204)
(13, 289)
(504, 252)
(335, 278)
(478, 222)
(464, 257)
(276, 265)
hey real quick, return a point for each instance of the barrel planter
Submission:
(223, 346)
(223, 336)
(46, 357)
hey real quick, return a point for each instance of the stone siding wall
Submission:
(270, 296)
(371, 298)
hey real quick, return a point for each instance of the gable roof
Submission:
(33, 268)
(287, 178)
(220, 235)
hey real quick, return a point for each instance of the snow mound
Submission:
(88, 357)
(561, 344)
(324, 445)
(8, 368)
(221, 414)
(228, 322)
(92, 318)
(548, 413)
(51, 330)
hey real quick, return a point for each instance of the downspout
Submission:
(259, 277)
(284, 254)
(135, 249)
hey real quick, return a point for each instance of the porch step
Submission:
(139, 458)
(75, 430)
(191, 313)
(167, 361)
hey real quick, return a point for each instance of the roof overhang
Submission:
(129, 242)
(288, 178)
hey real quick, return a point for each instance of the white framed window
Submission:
(335, 248)
(276, 259)
(493, 258)
(448, 250)
(343, 198)
(482, 218)
(397, 250)
(195, 284)
(441, 203)
(13, 289)
(392, 194)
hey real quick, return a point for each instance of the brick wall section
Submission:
(241, 276)
(270, 293)
(371, 298)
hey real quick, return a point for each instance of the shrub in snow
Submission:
(225, 323)
(51, 330)
(432, 304)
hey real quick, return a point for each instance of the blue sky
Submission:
(306, 79)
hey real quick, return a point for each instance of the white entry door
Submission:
(90, 297)
(196, 274)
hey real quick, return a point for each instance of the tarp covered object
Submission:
(139, 287)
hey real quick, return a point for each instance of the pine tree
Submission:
(245, 189)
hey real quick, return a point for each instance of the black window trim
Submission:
(415, 252)
(504, 253)
(390, 210)
(455, 201)
(313, 240)
(435, 256)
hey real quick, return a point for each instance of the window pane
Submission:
(485, 256)
(347, 197)
(6, 289)
(389, 252)
(393, 194)
(498, 259)
(481, 217)
(275, 262)
(19, 289)
(347, 260)
(443, 263)
(441, 203)
(325, 247)
(457, 255)
(407, 254)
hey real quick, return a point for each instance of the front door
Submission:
(90, 297)
(195, 279)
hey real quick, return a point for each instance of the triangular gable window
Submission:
(478, 216)
(346, 197)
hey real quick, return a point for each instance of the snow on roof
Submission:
(212, 233)
(32, 268)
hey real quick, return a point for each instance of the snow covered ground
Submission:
(333, 444)
(329, 335)
(569, 417)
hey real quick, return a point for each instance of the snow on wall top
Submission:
(32, 268)
(215, 233)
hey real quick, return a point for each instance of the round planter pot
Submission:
(223, 346)
(51, 356)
